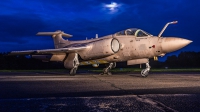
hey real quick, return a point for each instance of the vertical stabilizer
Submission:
(57, 37)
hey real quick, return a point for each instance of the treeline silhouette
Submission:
(184, 60)
(22, 62)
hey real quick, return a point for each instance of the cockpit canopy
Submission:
(133, 32)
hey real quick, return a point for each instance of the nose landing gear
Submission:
(145, 71)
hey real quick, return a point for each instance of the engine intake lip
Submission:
(115, 45)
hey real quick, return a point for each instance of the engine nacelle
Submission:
(101, 48)
(69, 62)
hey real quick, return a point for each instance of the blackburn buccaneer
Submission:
(132, 45)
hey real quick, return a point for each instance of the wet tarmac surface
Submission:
(91, 92)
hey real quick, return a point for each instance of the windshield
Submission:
(133, 32)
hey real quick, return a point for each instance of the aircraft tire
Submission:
(72, 72)
(144, 73)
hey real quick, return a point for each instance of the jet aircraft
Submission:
(132, 45)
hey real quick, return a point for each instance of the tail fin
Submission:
(57, 37)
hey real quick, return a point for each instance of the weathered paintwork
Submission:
(132, 45)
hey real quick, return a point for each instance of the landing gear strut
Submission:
(76, 64)
(145, 71)
(106, 71)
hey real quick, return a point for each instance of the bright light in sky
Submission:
(113, 6)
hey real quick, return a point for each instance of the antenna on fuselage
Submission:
(96, 36)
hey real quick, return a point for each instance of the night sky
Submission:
(20, 20)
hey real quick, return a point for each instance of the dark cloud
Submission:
(16, 27)
(21, 20)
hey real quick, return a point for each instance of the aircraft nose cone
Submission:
(171, 44)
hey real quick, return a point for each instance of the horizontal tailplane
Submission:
(53, 34)
(59, 42)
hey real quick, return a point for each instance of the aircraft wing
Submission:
(49, 51)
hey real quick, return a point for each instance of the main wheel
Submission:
(144, 73)
(105, 70)
(73, 71)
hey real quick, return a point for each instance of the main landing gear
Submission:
(106, 71)
(145, 71)
(76, 64)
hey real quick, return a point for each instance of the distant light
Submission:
(112, 6)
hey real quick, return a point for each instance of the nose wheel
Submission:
(145, 71)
